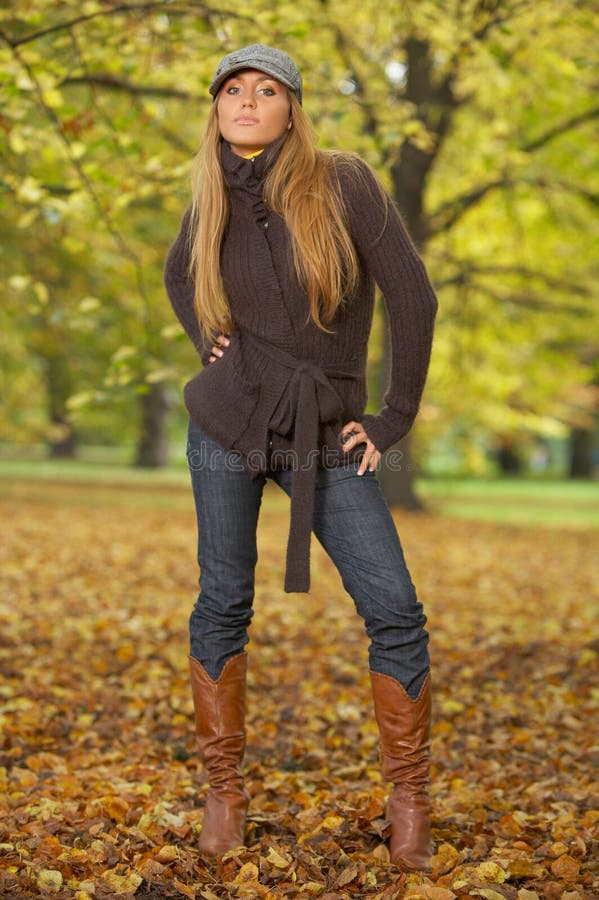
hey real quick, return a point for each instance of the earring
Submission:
(289, 124)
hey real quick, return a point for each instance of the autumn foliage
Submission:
(101, 792)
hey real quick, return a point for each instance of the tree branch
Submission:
(446, 216)
(560, 129)
(466, 270)
(171, 8)
(127, 87)
(78, 20)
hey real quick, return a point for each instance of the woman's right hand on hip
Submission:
(218, 349)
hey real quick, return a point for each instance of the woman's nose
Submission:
(248, 100)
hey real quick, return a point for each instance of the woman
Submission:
(272, 277)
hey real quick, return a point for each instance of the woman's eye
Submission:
(268, 91)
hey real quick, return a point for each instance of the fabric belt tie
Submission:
(309, 400)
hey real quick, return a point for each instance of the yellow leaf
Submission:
(50, 880)
(452, 706)
(168, 853)
(444, 859)
(526, 868)
(30, 190)
(490, 871)
(19, 282)
(428, 892)
(247, 873)
(115, 807)
(122, 884)
(277, 859)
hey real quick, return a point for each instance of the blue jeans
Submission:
(353, 524)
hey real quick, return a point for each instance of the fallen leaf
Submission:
(566, 868)
(277, 859)
(122, 884)
(168, 853)
(248, 873)
(526, 868)
(490, 871)
(186, 890)
(444, 859)
(50, 879)
(347, 875)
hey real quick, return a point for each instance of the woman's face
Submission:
(253, 110)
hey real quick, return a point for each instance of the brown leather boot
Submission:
(220, 737)
(404, 728)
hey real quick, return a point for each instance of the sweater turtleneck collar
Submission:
(238, 170)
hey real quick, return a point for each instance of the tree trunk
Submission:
(435, 103)
(508, 457)
(581, 453)
(396, 476)
(152, 449)
(62, 440)
(396, 472)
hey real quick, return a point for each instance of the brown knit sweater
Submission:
(284, 388)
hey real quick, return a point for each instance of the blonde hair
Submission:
(303, 188)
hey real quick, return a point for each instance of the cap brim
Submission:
(218, 82)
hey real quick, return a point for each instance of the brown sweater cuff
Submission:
(386, 428)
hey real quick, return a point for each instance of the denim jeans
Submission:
(353, 524)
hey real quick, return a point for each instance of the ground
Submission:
(101, 793)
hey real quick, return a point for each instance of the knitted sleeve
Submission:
(180, 289)
(390, 257)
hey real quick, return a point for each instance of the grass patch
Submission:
(571, 504)
(567, 504)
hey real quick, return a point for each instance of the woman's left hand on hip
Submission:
(353, 434)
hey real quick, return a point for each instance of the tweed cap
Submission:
(265, 59)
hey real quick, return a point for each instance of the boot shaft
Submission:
(220, 719)
(404, 729)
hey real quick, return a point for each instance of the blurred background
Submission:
(481, 118)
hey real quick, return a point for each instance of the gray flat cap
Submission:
(266, 59)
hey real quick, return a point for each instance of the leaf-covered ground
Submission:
(100, 789)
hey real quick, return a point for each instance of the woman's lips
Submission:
(246, 120)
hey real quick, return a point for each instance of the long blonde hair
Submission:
(303, 188)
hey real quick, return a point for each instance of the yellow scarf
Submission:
(254, 154)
